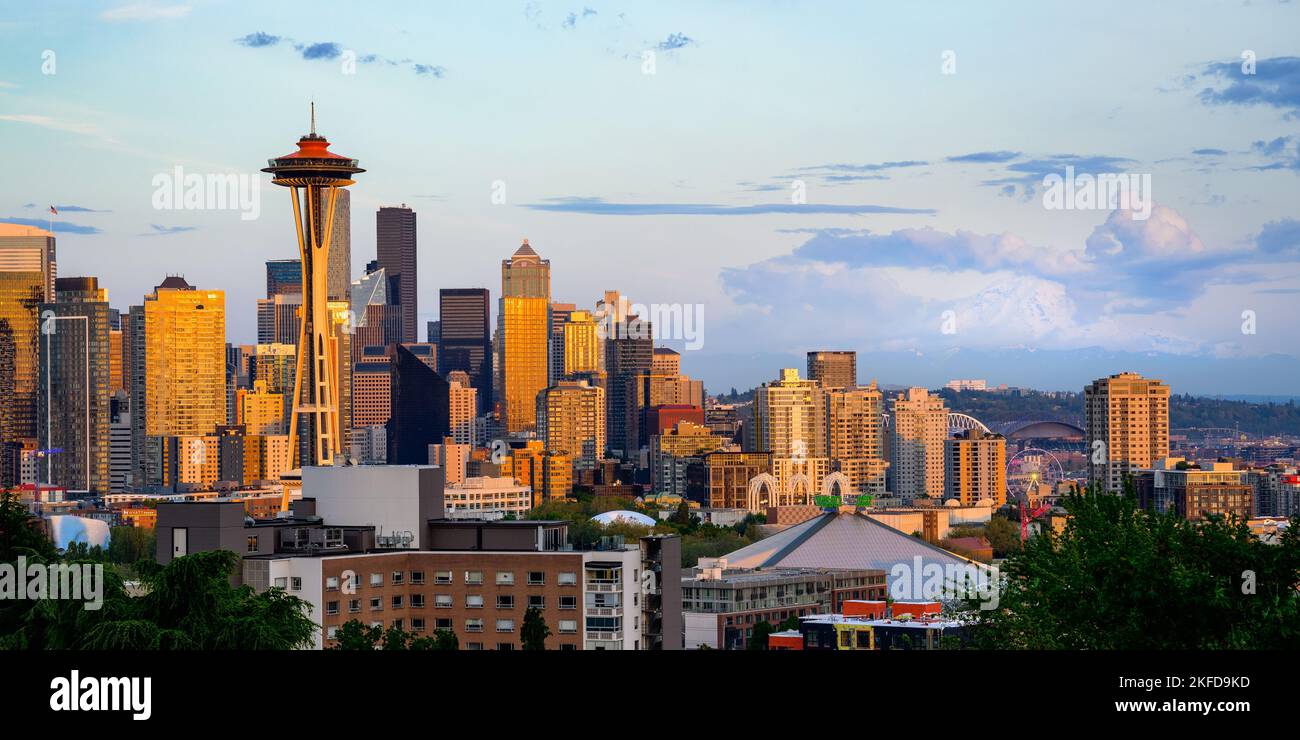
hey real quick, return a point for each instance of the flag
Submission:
(54, 210)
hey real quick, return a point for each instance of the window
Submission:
(568, 579)
(282, 583)
(505, 646)
(295, 583)
(442, 601)
(568, 602)
(417, 601)
(474, 577)
(505, 625)
(331, 632)
(252, 543)
(354, 605)
(473, 646)
(568, 646)
(505, 578)
(568, 626)
(376, 604)
(398, 624)
(442, 624)
(417, 624)
(376, 579)
(331, 607)
(417, 578)
(397, 602)
(398, 578)
(536, 578)
(442, 576)
(473, 625)
(474, 601)
(537, 601)
(505, 601)
(332, 583)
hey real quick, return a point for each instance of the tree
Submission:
(353, 635)
(758, 638)
(1003, 536)
(1121, 578)
(189, 604)
(535, 631)
(791, 623)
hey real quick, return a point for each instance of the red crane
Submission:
(1027, 516)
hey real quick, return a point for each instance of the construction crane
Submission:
(1027, 516)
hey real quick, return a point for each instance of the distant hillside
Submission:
(1262, 419)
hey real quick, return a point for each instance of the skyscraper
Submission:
(395, 249)
(73, 403)
(315, 176)
(920, 426)
(464, 339)
(27, 273)
(571, 419)
(339, 282)
(833, 369)
(629, 349)
(581, 345)
(790, 423)
(1126, 426)
(559, 317)
(462, 405)
(523, 321)
(377, 321)
(420, 409)
(283, 277)
(183, 368)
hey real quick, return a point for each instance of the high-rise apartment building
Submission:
(462, 405)
(339, 275)
(677, 466)
(184, 362)
(571, 419)
(730, 474)
(279, 319)
(975, 462)
(919, 428)
(833, 369)
(524, 336)
(73, 403)
(1126, 427)
(854, 436)
(119, 443)
(396, 252)
(259, 410)
(790, 423)
(372, 392)
(376, 320)
(581, 345)
(465, 339)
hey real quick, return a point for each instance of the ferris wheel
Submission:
(1033, 473)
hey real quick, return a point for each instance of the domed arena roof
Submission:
(624, 516)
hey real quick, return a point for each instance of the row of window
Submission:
(445, 601)
(419, 624)
(444, 577)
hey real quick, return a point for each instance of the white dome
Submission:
(622, 515)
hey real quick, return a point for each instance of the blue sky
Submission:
(923, 189)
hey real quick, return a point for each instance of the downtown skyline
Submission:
(923, 190)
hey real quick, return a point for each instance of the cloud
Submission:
(1027, 176)
(322, 50)
(928, 247)
(1275, 84)
(675, 41)
(167, 230)
(600, 207)
(1280, 238)
(70, 209)
(572, 19)
(145, 12)
(257, 40)
(59, 226)
(1209, 152)
(331, 50)
(985, 157)
(1164, 236)
(57, 124)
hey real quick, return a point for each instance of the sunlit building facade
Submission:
(523, 341)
